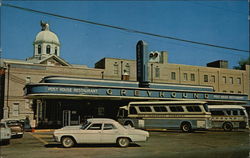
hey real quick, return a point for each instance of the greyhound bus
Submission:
(184, 115)
(229, 117)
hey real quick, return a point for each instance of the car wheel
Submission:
(123, 142)
(228, 127)
(186, 127)
(68, 142)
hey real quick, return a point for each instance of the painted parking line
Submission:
(44, 136)
(40, 139)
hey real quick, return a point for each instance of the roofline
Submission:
(170, 102)
(225, 107)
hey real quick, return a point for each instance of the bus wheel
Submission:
(129, 123)
(186, 127)
(227, 126)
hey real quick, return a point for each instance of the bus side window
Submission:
(193, 109)
(235, 112)
(145, 109)
(228, 112)
(242, 112)
(217, 113)
(133, 110)
(160, 109)
(176, 108)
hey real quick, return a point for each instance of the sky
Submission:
(223, 23)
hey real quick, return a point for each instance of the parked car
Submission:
(15, 126)
(5, 133)
(99, 131)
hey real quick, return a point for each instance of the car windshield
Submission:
(85, 125)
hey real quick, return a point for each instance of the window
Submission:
(55, 50)
(224, 79)
(97, 126)
(157, 71)
(15, 109)
(160, 109)
(231, 91)
(242, 112)
(185, 76)
(116, 68)
(238, 80)
(231, 81)
(28, 79)
(217, 113)
(132, 110)
(228, 112)
(213, 79)
(205, 78)
(235, 112)
(193, 109)
(173, 76)
(192, 77)
(176, 108)
(39, 49)
(145, 109)
(48, 49)
(108, 127)
(100, 111)
(127, 68)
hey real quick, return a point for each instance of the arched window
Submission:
(48, 49)
(55, 50)
(39, 51)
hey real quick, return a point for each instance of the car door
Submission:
(92, 134)
(109, 133)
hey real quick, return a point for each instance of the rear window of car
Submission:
(109, 127)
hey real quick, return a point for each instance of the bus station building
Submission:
(55, 93)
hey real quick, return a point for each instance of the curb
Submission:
(42, 130)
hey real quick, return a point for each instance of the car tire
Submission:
(123, 142)
(227, 126)
(68, 142)
(186, 127)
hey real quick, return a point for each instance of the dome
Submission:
(47, 36)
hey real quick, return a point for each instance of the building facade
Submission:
(99, 91)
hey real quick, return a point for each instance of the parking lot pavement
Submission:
(174, 144)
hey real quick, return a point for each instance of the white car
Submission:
(5, 133)
(103, 131)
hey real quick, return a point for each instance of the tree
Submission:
(242, 64)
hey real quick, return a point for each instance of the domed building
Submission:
(46, 47)
(46, 42)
